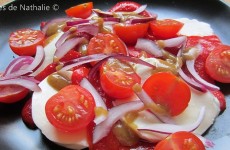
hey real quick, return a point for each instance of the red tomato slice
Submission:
(79, 74)
(169, 91)
(25, 41)
(80, 11)
(130, 33)
(165, 29)
(128, 6)
(12, 93)
(107, 44)
(71, 109)
(180, 141)
(117, 78)
(217, 64)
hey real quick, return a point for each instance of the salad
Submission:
(118, 79)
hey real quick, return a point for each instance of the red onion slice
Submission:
(149, 46)
(88, 28)
(190, 66)
(157, 111)
(140, 9)
(102, 14)
(53, 21)
(191, 81)
(115, 113)
(25, 82)
(77, 22)
(17, 64)
(141, 20)
(172, 128)
(67, 46)
(65, 36)
(98, 99)
(173, 42)
(83, 60)
(207, 143)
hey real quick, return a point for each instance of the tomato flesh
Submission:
(71, 109)
(169, 91)
(12, 93)
(180, 141)
(165, 29)
(117, 79)
(25, 41)
(217, 64)
(130, 33)
(107, 44)
(80, 11)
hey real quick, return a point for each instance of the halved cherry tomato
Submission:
(12, 93)
(128, 6)
(164, 29)
(117, 78)
(181, 141)
(130, 33)
(79, 74)
(71, 109)
(107, 44)
(217, 64)
(80, 11)
(25, 41)
(169, 91)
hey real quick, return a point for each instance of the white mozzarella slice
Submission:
(193, 27)
(70, 140)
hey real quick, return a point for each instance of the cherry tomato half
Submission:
(107, 44)
(130, 33)
(25, 41)
(128, 6)
(164, 29)
(217, 64)
(180, 141)
(117, 78)
(12, 93)
(169, 91)
(80, 11)
(71, 109)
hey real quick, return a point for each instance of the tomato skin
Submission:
(130, 33)
(180, 141)
(217, 64)
(12, 93)
(116, 80)
(107, 44)
(165, 29)
(71, 109)
(79, 74)
(80, 11)
(24, 42)
(72, 54)
(27, 114)
(169, 91)
(221, 98)
(128, 6)
(208, 44)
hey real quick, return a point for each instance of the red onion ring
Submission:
(25, 82)
(102, 14)
(82, 60)
(191, 69)
(115, 113)
(77, 22)
(191, 81)
(17, 64)
(98, 99)
(67, 46)
(141, 20)
(149, 46)
(207, 143)
(173, 42)
(140, 9)
(65, 36)
(164, 128)
(88, 28)
(53, 21)
(151, 105)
